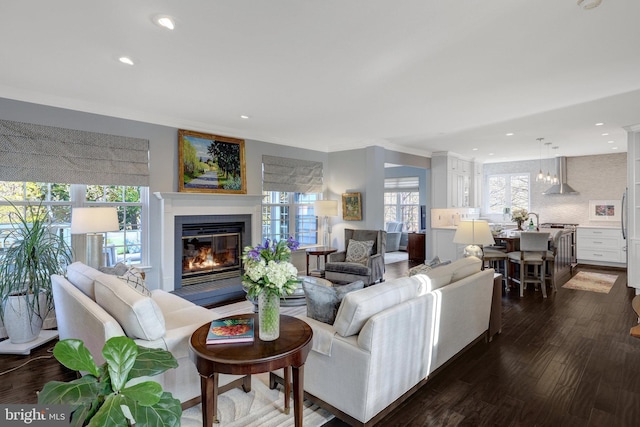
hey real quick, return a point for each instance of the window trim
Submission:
(509, 199)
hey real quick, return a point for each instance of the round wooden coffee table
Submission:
(289, 350)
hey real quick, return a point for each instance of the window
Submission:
(125, 245)
(287, 214)
(507, 191)
(402, 202)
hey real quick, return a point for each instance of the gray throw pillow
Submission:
(117, 270)
(323, 301)
(359, 251)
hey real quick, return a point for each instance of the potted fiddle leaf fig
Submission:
(33, 251)
(112, 394)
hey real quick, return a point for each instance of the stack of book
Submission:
(226, 331)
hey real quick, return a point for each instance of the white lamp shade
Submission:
(475, 232)
(325, 207)
(94, 220)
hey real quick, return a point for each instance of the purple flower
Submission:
(292, 243)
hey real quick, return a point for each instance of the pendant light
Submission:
(548, 178)
(540, 176)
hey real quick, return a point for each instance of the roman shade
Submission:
(30, 152)
(402, 183)
(293, 175)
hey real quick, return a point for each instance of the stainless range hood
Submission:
(562, 187)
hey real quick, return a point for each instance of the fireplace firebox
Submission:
(208, 248)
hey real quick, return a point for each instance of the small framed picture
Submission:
(352, 206)
(210, 163)
(605, 210)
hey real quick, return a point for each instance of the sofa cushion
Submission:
(359, 251)
(135, 279)
(139, 315)
(323, 301)
(83, 277)
(357, 307)
(348, 268)
(457, 270)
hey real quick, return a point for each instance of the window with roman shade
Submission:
(66, 168)
(290, 187)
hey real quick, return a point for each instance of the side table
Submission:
(495, 318)
(289, 350)
(319, 251)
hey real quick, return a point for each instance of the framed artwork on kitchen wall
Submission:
(605, 210)
(352, 206)
(210, 163)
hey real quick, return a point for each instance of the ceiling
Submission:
(416, 76)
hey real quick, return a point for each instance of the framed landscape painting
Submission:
(210, 163)
(352, 207)
(605, 210)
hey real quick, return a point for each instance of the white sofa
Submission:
(388, 338)
(93, 306)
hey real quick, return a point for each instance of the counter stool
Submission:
(533, 251)
(495, 257)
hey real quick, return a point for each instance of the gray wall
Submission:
(602, 177)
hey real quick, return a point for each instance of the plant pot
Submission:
(268, 316)
(22, 323)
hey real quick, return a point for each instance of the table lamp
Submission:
(475, 234)
(93, 222)
(325, 209)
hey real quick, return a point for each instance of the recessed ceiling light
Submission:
(510, 134)
(491, 154)
(609, 142)
(474, 149)
(614, 148)
(164, 21)
(126, 60)
(243, 116)
(599, 124)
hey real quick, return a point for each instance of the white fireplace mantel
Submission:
(179, 204)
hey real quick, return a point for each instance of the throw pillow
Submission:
(135, 278)
(323, 301)
(359, 251)
(419, 269)
(117, 270)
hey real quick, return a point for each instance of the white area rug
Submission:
(392, 257)
(261, 407)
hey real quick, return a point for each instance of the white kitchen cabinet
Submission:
(452, 181)
(600, 246)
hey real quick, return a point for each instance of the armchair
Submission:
(394, 234)
(338, 270)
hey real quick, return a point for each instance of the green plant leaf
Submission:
(120, 354)
(110, 413)
(166, 412)
(74, 355)
(152, 361)
(77, 392)
(145, 393)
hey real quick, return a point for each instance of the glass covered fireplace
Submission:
(209, 248)
(210, 256)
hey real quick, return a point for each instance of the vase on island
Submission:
(268, 316)
(520, 225)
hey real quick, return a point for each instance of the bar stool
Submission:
(533, 251)
(495, 257)
(551, 261)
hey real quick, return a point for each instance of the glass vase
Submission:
(268, 316)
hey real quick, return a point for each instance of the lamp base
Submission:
(94, 250)
(473, 250)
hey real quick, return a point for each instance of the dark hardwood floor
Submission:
(565, 361)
